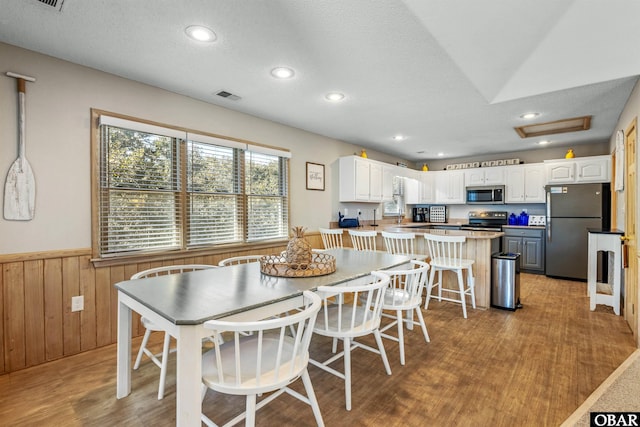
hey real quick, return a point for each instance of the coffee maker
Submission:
(420, 214)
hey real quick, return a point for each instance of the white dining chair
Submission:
(349, 312)
(160, 359)
(331, 237)
(399, 243)
(404, 294)
(243, 259)
(446, 255)
(262, 357)
(363, 240)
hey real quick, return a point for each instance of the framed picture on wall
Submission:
(315, 176)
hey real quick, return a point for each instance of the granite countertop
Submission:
(467, 233)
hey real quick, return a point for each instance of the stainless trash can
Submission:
(505, 280)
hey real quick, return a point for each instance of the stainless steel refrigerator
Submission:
(571, 210)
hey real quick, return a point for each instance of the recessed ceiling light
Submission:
(334, 96)
(440, 154)
(544, 142)
(399, 138)
(529, 116)
(282, 73)
(200, 33)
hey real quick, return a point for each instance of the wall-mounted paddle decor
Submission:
(20, 186)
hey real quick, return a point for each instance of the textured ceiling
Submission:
(453, 76)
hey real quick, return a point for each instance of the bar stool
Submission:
(446, 255)
(331, 237)
(363, 240)
(399, 243)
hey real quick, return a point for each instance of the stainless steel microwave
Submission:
(486, 195)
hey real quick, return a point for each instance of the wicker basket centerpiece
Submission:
(298, 260)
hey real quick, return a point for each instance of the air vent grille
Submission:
(228, 95)
(53, 4)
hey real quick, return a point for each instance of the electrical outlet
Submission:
(77, 303)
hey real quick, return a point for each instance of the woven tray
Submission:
(276, 265)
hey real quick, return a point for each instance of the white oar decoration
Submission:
(20, 187)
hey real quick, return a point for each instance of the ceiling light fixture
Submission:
(399, 138)
(544, 142)
(440, 154)
(282, 73)
(575, 124)
(529, 116)
(334, 96)
(200, 33)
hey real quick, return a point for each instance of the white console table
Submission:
(605, 292)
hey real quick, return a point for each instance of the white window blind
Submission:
(139, 186)
(214, 193)
(266, 178)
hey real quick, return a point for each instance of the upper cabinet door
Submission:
(515, 184)
(563, 172)
(474, 176)
(388, 172)
(427, 188)
(593, 169)
(375, 182)
(450, 187)
(534, 181)
(494, 176)
(584, 169)
(484, 176)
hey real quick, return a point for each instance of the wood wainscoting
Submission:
(37, 324)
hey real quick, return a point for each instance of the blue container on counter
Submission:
(513, 220)
(523, 218)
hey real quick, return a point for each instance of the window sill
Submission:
(176, 255)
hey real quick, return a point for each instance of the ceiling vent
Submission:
(50, 4)
(559, 126)
(228, 95)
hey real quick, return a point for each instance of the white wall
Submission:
(58, 145)
(630, 111)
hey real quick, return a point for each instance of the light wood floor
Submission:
(530, 367)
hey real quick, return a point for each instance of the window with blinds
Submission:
(163, 190)
(267, 202)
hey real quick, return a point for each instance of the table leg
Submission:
(123, 388)
(188, 376)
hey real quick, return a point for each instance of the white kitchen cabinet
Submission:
(484, 176)
(388, 172)
(579, 170)
(360, 180)
(525, 183)
(449, 187)
(412, 191)
(427, 188)
(375, 182)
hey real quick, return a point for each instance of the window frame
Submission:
(183, 194)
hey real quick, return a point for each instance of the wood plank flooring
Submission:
(532, 367)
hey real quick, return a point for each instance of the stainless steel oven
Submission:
(486, 221)
(489, 195)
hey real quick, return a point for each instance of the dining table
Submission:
(182, 303)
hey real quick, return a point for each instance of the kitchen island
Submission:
(478, 247)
